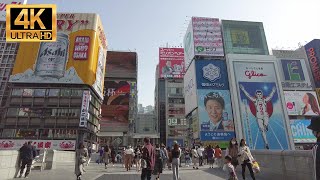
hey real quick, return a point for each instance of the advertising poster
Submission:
(190, 89)
(212, 74)
(300, 132)
(215, 115)
(171, 62)
(313, 54)
(16, 144)
(121, 64)
(3, 5)
(77, 57)
(303, 103)
(295, 75)
(261, 109)
(115, 107)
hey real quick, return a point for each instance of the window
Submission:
(65, 92)
(23, 112)
(17, 92)
(76, 93)
(8, 133)
(39, 92)
(54, 92)
(28, 133)
(27, 92)
(12, 112)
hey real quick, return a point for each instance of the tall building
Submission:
(119, 108)
(56, 102)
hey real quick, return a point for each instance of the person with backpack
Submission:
(148, 160)
(159, 155)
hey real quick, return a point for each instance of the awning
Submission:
(103, 134)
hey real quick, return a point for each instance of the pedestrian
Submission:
(200, 154)
(123, 152)
(176, 153)
(187, 157)
(229, 168)
(233, 151)
(113, 156)
(218, 156)
(137, 157)
(169, 158)
(159, 156)
(81, 159)
(315, 127)
(128, 158)
(246, 159)
(119, 158)
(106, 156)
(148, 160)
(89, 155)
(27, 154)
(205, 156)
(210, 154)
(166, 156)
(195, 157)
(101, 151)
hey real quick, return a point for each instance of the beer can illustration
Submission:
(52, 57)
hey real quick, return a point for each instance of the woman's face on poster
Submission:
(214, 110)
(305, 99)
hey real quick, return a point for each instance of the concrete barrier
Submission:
(9, 161)
(63, 157)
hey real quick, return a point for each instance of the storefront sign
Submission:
(13, 144)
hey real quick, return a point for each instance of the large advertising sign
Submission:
(313, 53)
(77, 57)
(115, 107)
(171, 62)
(3, 5)
(215, 115)
(241, 37)
(121, 64)
(212, 74)
(190, 89)
(261, 116)
(300, 132)
(295, 75)
(203, 38)
(304, 103)
(15, 144)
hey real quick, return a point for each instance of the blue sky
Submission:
(146, 25)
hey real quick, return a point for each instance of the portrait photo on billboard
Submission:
(300, 132)
(262, 116)
(121, 64)
(171, 62)
(304, 103)
(115, 107)
(215, 114)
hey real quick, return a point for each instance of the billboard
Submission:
(300, 132)
(258, 102)
(294, 74)
(313, 54)
(302, 103)
(297, 54)
(121, 64)
(3, 5)
(77, 57)
(215, 115)
(203, 38)
(212, 74)
(241, 37)
(115, 106)
(190, 89)
(171, 62)
(16, 144)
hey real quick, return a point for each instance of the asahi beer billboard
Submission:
(258, 102)
(77, 57)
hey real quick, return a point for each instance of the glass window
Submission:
(27, 92)
(6, 133)
(28, 133)
(23, 112)
(54, 92)
(39, 92)
(12, 112)
(76, 92)
(65, 92)
(16, 92)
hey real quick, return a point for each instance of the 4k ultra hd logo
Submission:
(31, 23)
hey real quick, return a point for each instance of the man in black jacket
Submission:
(27, 154)
(315, 127)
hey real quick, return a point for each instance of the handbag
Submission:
(255, 167)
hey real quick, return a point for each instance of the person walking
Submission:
(159, 156)
(81, 155)
(166, 156)
(210, 154)
(176, 152)
(89, 155)
(137, 158)
(233, 151)
(101, 151)
(315, 127)
(229, 168)
(128, 158)
(169, 161)
(246, 159)
(27, 154)
(187, 157)
(218, 156)
(113, 156)
(106, 156)
(200, 151)
(195, 158)
(148, 160)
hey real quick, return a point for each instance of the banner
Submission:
(190, 89)
(215, 115)
(84, 115)
(300, 132)
(302, 103)
(295, 75)
(77, 57)
(171, 63)
(115, 107)
(262, 116)
(313, 53)
(121, 64)
(16, 144)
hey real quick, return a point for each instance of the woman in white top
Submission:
(246, 159)
(195, 158)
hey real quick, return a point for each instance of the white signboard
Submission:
(303, 103)
(15, 144)
(3, 5)
(190, 89)
(84, 115)
(188, 46)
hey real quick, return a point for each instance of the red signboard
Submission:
(14, 144)
(171, 63)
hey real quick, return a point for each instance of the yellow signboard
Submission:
(77, 57)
